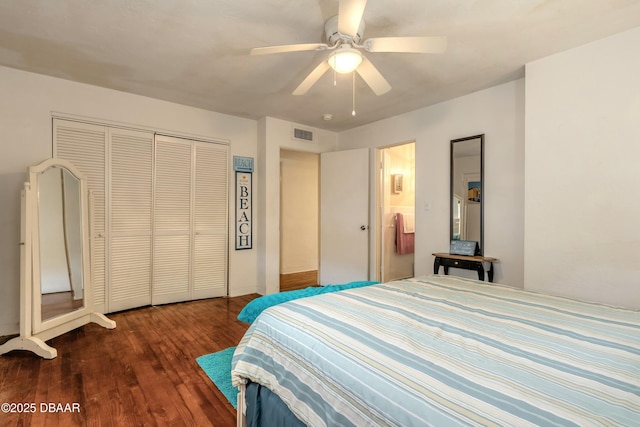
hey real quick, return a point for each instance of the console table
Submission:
(465, 262)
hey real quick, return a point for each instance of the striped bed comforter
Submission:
(445, 351)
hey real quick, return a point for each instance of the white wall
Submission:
(498, 113)
(582, 177)
(26, 104)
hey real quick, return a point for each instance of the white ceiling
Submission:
(196, 52)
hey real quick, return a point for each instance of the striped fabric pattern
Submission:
(446, 351)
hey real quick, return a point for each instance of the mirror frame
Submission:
(35, 175)
(482, 181)
(33, 330)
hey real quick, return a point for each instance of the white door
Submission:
(383, 220)
(344, 216)
(131, 206)
(172, 220)
(190, 220)
(159, 214)
(210, 223)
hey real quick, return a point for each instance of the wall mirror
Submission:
(467, 189)
(56, 287)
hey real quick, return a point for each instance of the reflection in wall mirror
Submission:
(467, 179)
(60, 230)
(55, 280)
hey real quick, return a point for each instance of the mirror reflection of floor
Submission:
(59, 303)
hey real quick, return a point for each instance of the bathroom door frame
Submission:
(381, 189)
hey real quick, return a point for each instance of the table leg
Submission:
(480, 270)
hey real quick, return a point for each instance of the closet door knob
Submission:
(362, 227)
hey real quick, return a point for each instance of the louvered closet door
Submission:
(172, 220)
(84, 145)
(131, 178)
(190, 220)
(210, 221)
(160, 214)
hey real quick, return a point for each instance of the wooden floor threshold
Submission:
(300, 280)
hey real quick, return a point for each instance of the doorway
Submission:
(299, 219)
(396, 212)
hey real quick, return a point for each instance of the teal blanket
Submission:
(251, 311)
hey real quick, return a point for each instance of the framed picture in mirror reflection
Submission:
(474, 191)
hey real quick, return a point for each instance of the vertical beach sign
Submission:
(243, 167)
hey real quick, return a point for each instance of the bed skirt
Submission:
(260, 407)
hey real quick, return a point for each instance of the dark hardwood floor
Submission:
(141, 373)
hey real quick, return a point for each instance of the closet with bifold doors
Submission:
(159, 222)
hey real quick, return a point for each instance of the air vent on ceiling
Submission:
(302, 134)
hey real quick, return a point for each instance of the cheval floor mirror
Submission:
(56, 289)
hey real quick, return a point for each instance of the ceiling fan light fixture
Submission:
(345, 60)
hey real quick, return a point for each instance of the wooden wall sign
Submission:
(243, 167)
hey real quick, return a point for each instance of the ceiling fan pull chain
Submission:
(353, 99)
(335, 78)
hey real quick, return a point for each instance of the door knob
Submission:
(362, 227)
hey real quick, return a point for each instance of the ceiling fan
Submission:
(343, 34)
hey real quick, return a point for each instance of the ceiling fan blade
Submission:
(312, 78)
(406, 44)
(349, 16)
(287, 48)
(372, 77)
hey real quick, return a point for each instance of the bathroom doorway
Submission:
(396, 212)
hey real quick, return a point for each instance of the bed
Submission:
(443, 351)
